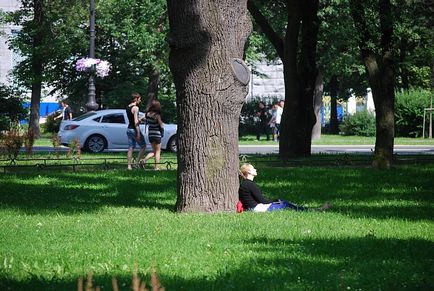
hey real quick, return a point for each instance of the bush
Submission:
(361, 123)
(52, 125)
(409, 107)
(11, 107)
(10, 143)
(248, 120)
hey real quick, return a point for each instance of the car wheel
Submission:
(95, 143)
(172, 144)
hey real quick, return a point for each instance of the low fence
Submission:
(72, 164)
(108, 163)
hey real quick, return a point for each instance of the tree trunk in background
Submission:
(153, 82)
(152, 92)
(317, 102)
(403, 71)
(37, 68)
(334, 124)
(207, 41)
(381, 75)
(300, 73)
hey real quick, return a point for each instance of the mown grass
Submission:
(329, 139)
(57, 226)
(326, 139)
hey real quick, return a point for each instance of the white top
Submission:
(279, 112)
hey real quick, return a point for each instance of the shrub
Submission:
(248, 120)
(10, 143)
(361, 123)
(11, 107)
(409, 107)
(52, 125)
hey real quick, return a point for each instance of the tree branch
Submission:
(266, 28)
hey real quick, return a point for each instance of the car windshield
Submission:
(84, 116)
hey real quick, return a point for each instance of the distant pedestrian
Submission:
(134, 134)
(262, 124)
(279, 111)
(66, 113)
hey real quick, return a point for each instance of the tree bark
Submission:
(300, 73)
(37, 68)
(154, 81)
(207, 40)
(380, 69)
(334, 85)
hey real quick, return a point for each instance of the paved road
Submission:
(330, 149)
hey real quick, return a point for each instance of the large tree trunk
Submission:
(37, 68)
(300, 73)
(207, 41)
(381, 78)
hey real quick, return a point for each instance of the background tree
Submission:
(413, 43)
(338, 56)
(39, 44)
(207, 39)
(376, 47)
(130, 34)
(295, 42)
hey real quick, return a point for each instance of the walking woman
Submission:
(155, 131)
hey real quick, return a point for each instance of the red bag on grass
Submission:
(240, 208)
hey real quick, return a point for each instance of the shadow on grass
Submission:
(367, 263)
(404, 193)
(75, 192)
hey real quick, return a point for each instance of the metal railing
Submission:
(107, 163)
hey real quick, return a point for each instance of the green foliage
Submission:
(11, 107)
(337, 50)
(409, 108)
(51, 125)
(361, 123)
(11, 142)
(108, 221)
(168, 108)
(129, 34)
(248, 120)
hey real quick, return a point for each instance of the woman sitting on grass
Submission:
(251, 196)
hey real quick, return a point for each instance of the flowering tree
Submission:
(90, 65)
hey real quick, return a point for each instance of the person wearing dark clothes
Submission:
(134, 134)
(66, 112)
(252, 199)
(155, 131)
(263, 118)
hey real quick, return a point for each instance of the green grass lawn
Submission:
(326, 139)
(329, 139)
(57, 226)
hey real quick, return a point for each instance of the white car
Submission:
(107, 129)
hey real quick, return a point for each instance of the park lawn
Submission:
(330, 139)
(57, 226)
(326, 139)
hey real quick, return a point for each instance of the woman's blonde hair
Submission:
(245, 169)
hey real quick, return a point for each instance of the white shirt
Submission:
(279, 112)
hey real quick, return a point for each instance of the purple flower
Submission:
(87, 64)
